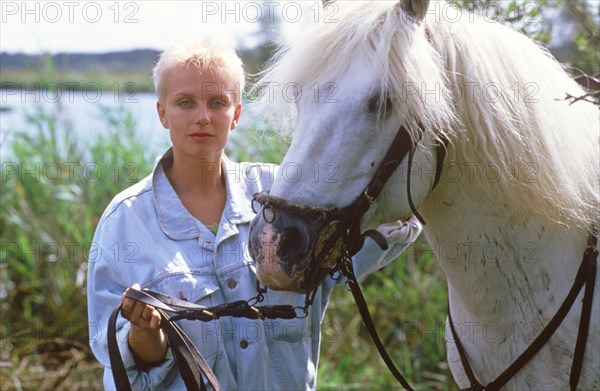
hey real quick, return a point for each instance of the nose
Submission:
(277, 242)
(202, 115)
(292, 243)
(281, 252)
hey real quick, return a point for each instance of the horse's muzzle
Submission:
(281, 247)
(297, 245)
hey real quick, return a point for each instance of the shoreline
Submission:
(53, 80)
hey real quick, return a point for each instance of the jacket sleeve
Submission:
(106, 283)
(399, 236)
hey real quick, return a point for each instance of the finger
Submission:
(148, 318)
(132, 312)
(138, 313)
(145, 316)
(128, 303)
(153, 317)
(137, 316)
(155, 320)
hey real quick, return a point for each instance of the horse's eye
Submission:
(389, 106)
(375, 105)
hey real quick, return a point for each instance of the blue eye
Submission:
(217, 103)
(184, 103)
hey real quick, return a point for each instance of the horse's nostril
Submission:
(291, 243)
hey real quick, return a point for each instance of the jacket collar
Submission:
(175, 220)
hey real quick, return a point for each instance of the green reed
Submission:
(54, 189)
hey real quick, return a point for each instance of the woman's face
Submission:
(199, 110)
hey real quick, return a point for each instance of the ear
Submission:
(162, 115)
(415, 8)
(236, 116)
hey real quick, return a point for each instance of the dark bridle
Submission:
(338, 229)
(338, 238)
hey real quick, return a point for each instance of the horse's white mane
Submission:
(496, 94)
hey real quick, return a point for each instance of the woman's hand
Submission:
(139, 314)
(146, 339)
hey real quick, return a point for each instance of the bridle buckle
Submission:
(368, 197)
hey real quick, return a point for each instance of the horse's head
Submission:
(354, 79)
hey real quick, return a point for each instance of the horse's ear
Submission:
(415, 8)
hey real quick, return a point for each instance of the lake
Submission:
(81, 109)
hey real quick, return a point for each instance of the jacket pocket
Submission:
(198, 289)
(186, 285)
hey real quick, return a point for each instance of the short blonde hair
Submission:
(204, 54)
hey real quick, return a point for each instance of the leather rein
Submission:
(191, 363)
(341, 229)
(585, 277)
(344, 224)
(341, 239)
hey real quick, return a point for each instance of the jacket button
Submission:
(243, 344)
(232, 283)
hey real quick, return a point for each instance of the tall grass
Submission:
(55, 187)
(407, 300)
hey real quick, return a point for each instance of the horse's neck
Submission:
(502, 265)
(508, 273)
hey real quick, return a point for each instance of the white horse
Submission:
(519, 188)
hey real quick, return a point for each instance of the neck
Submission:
(195, 176)
(491, 248)
(200, 186)
(506, 269)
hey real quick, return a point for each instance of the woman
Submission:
(183, 231)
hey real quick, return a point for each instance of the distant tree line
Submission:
(578, 45)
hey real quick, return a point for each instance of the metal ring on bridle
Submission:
(267, 207)
(252, 204)
(304, 313)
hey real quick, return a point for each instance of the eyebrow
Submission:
(229, 96)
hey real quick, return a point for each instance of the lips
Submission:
(200, 136)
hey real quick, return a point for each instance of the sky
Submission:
(110, 25)
(99, 26)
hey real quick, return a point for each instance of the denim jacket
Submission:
(147, 236)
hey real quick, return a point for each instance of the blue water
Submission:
(82, 112)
